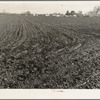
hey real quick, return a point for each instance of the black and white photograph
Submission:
(50, 45)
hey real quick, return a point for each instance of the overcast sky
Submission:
(47, 6)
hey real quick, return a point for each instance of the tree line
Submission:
(94, 12)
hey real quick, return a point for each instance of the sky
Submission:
(47, 7)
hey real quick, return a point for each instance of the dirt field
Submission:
(49, 52)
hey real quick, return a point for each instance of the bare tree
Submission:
(95, 11)
(79, 14)
(67, 13)
(72, 13)
(28, 13)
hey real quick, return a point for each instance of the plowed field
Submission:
(49, 52)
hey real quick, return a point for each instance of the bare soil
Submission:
(49, 52)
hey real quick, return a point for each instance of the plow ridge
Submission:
(50, 53)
